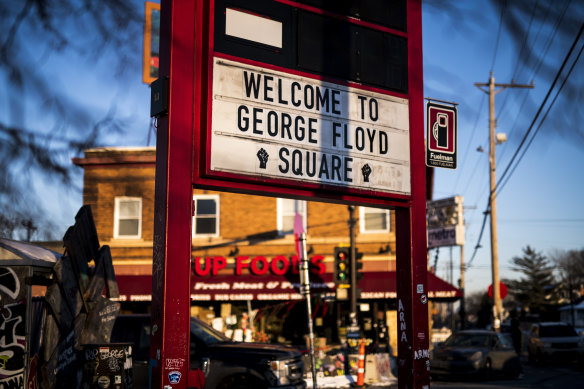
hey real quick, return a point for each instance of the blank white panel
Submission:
(253, 28)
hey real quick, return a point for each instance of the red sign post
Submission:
(300, 99)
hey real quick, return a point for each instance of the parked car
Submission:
(481, 353)
(554, 340)
(225, 363)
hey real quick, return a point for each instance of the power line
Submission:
(547, 44)
(523, 46)
(507, 169)
(468, 145)
(498, 34)
(503, 183)
(477, 246)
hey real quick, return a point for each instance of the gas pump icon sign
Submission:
(440, 130)
(441, 137)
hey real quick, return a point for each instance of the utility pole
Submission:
(493, 184)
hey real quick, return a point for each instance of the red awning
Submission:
(374, 285)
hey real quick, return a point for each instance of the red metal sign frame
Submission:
(185, 52)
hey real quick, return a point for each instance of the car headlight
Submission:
(278, 373)
(476, 356)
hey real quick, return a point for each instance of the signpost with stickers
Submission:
(305, 99)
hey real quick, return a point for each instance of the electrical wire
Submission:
(498, 34)
(505, 172)
(518, 61)
(468, 145)
(547, 45)
(503, 182)
(478, 245)
(487, 211)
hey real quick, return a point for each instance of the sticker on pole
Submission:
(441, 135)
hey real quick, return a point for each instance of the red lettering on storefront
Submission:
(317, 265)
(197, 266)
(218, 264)
(259, 265)
(240, 264)
(295, 264)
(278, 269)
(280, 265)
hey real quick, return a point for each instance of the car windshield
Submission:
(555, 331)
(206, 333)
(468, 340)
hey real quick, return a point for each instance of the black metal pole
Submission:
(352, 223)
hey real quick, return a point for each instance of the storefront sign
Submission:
(445, 221)
(270, 287)
(279, 125)
(258, 265)
(446, 236)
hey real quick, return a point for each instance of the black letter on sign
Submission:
(252, 82)
(297, 162)
(348, 169)
(373, 109)
(336, 168)
(310, 172)
(267, 88)
(257, 120)
(295, 102)
(284, 153)
(242, 122)
(383, 143)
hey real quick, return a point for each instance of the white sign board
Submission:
(278, 125)
(445, 221)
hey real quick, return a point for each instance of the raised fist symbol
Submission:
(263, 157)
(366, 170)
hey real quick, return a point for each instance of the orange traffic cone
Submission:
(361, 366)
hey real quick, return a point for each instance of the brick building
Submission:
(243, 253)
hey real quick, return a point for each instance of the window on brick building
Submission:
(373, 220)
(128, 218)
(206, 219)
(287, 210)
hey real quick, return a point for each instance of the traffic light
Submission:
(359, 265)
(342, 270)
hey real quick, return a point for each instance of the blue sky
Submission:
(541, 205)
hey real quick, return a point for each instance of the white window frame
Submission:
(217, 213)
(363, 211)
(117, 219)
(281, 214)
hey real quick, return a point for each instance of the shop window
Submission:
(128, 218)
(287, 210)
(373, 220)
(206, 219)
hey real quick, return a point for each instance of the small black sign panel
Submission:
(441, 135)
(330, 45)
